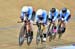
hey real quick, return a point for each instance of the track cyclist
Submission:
(41, 17)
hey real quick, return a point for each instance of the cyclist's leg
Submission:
(54, 25)
(58, 28)
(54, 29)
(59, 24)
(62, 28)
(59, 21)
(44, 32)
(68, 18)
(24, 30)
(33, 15)
(31, 27)
(48, 28)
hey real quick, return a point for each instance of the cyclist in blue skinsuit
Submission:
(53, 14)
(26, 13)
(41, 17)
(52, 17)
(65, 15)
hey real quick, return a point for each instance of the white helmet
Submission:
(25, 9)
(39, 12)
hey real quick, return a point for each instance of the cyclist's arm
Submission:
(20, 20)
(60, 14)
(45, 16)
(68, 13)
(49, 15)
(36, 18)
(30, 13)
(56, 15)
(21, 17)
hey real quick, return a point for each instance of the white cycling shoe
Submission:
(44, 39)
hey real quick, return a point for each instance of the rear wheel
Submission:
(29, 38)
(41, 38)
(60, 35)
(37, 38)
(54, 36)
(50, 37)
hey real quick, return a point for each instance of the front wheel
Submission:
(21, 40)
(21, 36)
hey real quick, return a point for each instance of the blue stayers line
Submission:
(10, 27)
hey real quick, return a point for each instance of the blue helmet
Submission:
(53, 10)
(64, 10)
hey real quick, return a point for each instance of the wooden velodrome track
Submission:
(9, 28)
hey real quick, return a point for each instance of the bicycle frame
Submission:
(28, 26)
